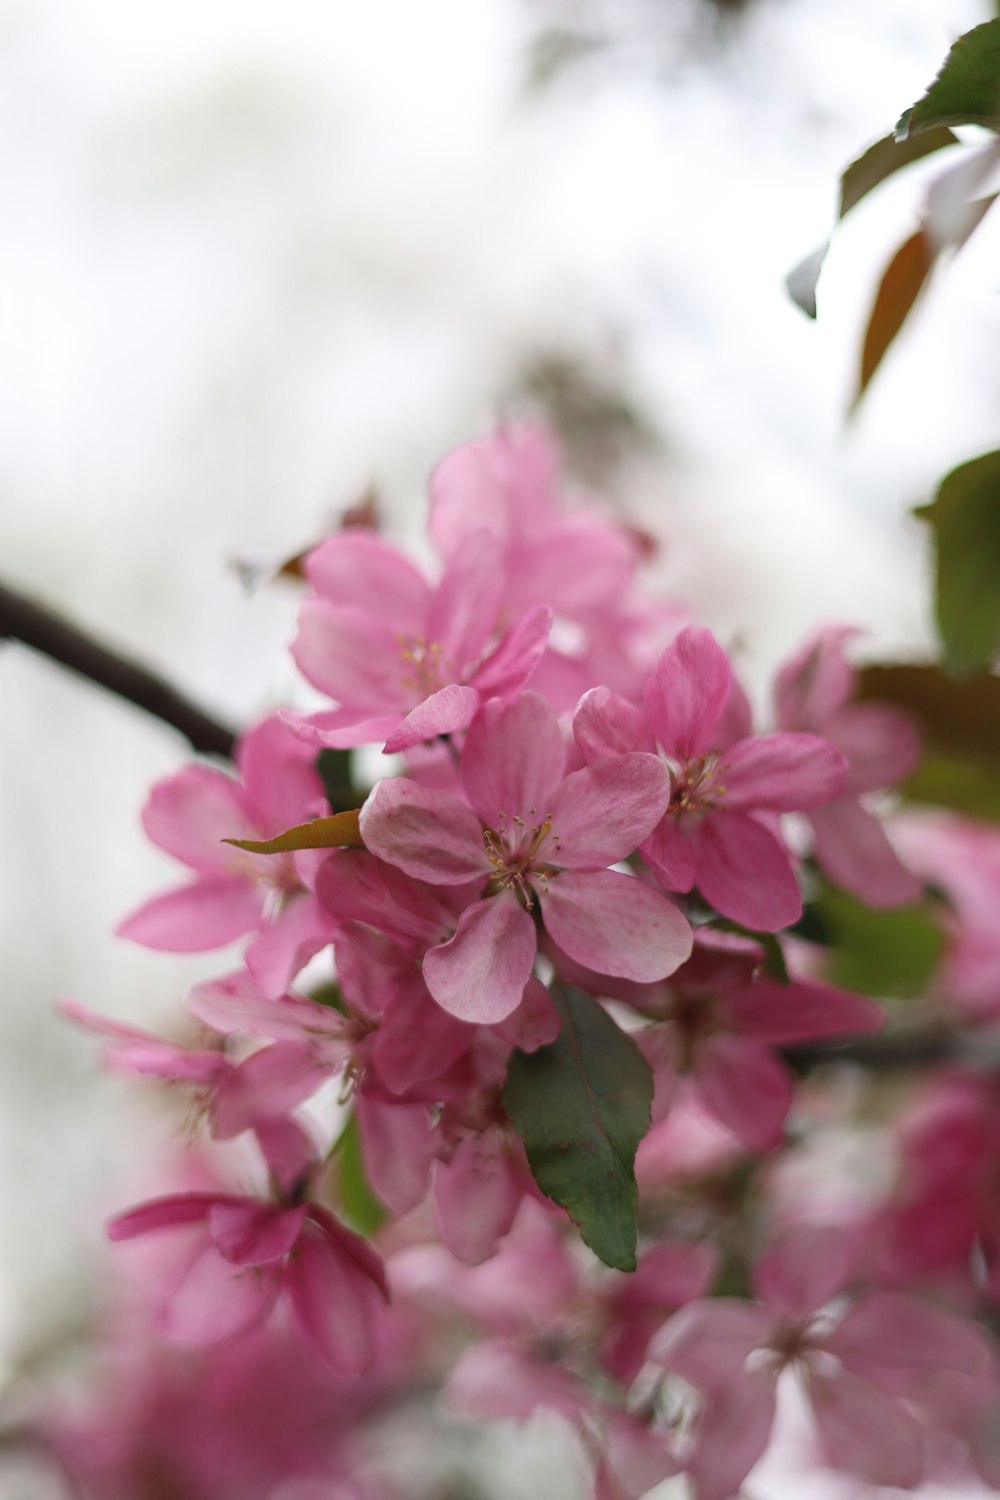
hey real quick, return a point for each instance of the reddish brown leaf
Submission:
(899, 289)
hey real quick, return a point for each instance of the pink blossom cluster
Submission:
(584, 822)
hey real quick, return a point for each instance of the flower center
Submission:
(514, 850)
(422, 665)
(697, 786)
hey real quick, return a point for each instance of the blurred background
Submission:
(257, 261)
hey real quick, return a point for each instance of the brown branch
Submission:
(918, 1049)
(43, 630)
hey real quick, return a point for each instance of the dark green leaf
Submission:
(340, 831)
(581, 1106)
(960, 718)
(957, 782)
(967, 89)
(965, 520)
(335, 771)
(882, 953)
(360, 1206)
(880, 161)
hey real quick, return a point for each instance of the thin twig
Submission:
(23, 620)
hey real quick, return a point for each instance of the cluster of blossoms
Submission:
(571, 927)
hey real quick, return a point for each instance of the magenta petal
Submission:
(513, 761)
(352, 885)
(881, 744)
(215, 1299)
(236, 1003)
(476, 1195)
(333, 1300)
(416, 1040)
(744, 872)
(463, 612)
(808, 1265)
(254, 1234)
(668, 853)
(535, 1023)
(782, 773)
(355, 568)
(732, 1433)
(397, 1149)
(481, 973)
(865, 1432)
(499, 1380)
(602, 813)
(429, 834)
(816, 680)
(895, 1329)
(851, 846)
(278, 771)
(163, 1213)
(283, 947)
(190, 813)
(268, 1084)
(345, 729)
(450, 709)
(616, 924)
(505, 671)
(606, 724)
(774, 1012)
(709, 1342)
(745, 1087)
(207, 914)
(687, 691)
(351, 655)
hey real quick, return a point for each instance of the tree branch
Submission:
(43, 630)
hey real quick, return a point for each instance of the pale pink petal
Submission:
(499, 483)
(300, 930)
(500, 1380)
(745, 1087)
(254, 1234)
(355, 568)
(668, 853)
(267, 1085)
(476, 1195)
(163, 1060)
(352, 885)
(882, 744)
(353, 656)
(444, 712)
(164, 1213)
(236, 1003)
(417, 1040)
(798, 1011)
(637, 1459)
(354, 1249)
(278, 771)
(865, 1432)
(709, 1342)
(852, 848)
(782, 773)
(606, 724)
(602, 813)
(744, 872)
(345, 729)
(397, 1149)
(207, 914)
(427, 834)
(802, 1270)
(481, 973)
(215, 1299)
(817, 680)
(736, 720)
(687, 691)
(505, 670)
(616, 924)
(580, 564)
(464, 610)
(288, 1152)
(733, 1432)
(894, 1329)
(535, 1023)
(513, 761)
(190, 813)
(334, 1301)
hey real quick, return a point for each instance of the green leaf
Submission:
(960, 783)
(960, 718)
(361, 1207)
(339, 831)
(965, 520)
(335, 769)
(888, 954)
(967, 89)
(581, 1107)
(899, 288)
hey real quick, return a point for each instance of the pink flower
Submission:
(716, 832)
(532, 836)
(813, 692)
(233, 892)
(863, 1368)
(250, 1250)
(403, 661)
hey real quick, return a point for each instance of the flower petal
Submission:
(334, 1302)
(616, 924)
(668, 853)
(687, 691)
(481, 973)
(803, 1269)
(450, 709)
(782, 773)
(397, 1149)
(851, 846)
(213, 1300)
(709, 1342)
(190, 813)
(602, 813)
(352, 655)
(476, 1195)
(253, 1234)
(743, 872)
(362, 570)
(745, 1087)
(882, 744)
(732, 1433)
(163, 1213)
(799, 1011)
(283, 947)
(513, 761)
(865, 1432)
(353, 885)
(506, 669)
(206, 914)
(428, 834)
(606, 724)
